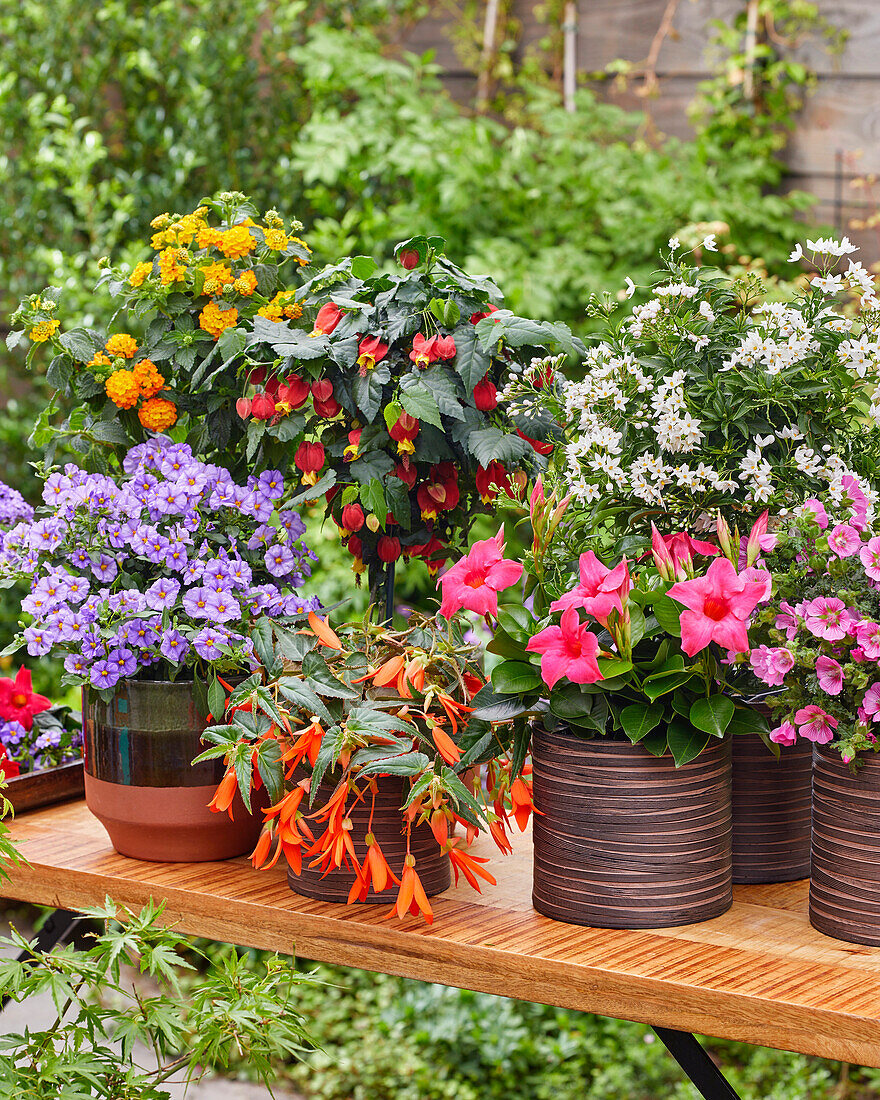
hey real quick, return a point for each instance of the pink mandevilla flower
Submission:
(830, 675)
(786, 734)
(718, 608)
(600, 591)
(858, 500)
(827, 617)
(569, 650)
(474, 582)
(869, 555)
(844, 540)
(814, 724)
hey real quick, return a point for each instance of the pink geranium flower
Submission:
(787, 620)
(814, 724)
(830, 675)
(600, 591)
(844, 541)
(761, 576)
(474, 582)
(827, 617)
(771, 665)
(818, 511)
(785, 734)
(719, 606)
(869, 555)
(868, 639)
(569, 650)
(871, 701)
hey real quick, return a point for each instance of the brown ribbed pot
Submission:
(771, 810)
(845, 875)
(432, 866)
(624, 839)
(140, 781)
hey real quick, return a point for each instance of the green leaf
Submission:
(367, 390)
(667, 613)
(655, 742)
(315, 669)
(712, 715)
(299, 693)
(744, 720)
(570, 703)
(293, 343)
(410, 763)
(373, 497)
(372, 464)
(492, 707)
(217, 699)
(261, 636)
(638, 719)
(491, 444)
(397, 499)
(658, 685)
(419, 401)
(611, 667)
(81, 344)
(362, 267)
(685, 742)
(471, 362)
(513, 677)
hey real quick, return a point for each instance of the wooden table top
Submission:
(759, 974)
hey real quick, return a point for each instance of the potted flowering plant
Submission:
(620, 667)
(816, 644)
(371, 757)
(392, 392)
(211, 272)
(149, 583)
(710, 396)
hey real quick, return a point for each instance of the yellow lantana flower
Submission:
(122, 344)
(276, 239)
(148, 378)
(215, 320)
(172, 265)
(123, 389)
(246, 283)
(140, 273)
(43, 330)
(237, 242)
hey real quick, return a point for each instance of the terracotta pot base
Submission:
(170, 824)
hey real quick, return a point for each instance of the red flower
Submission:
(355, 547)
(325, 403)
(403, 432)
(351, 451)
(388, 548)
(485, 395)
(371, 351)
(492, 475)
(257, 376)
(424, 351)
(352, 518)
(243, 407)
(309, 458)
(407, 474)
(438, 494)
(328, 318)
(262, 406)
(490, 309)
(8, 768)
(541, 448)
(408, 258)
(430, 551)
(293, 392)
(445, 347)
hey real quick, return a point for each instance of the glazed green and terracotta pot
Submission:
(140, 781)
(624, 839)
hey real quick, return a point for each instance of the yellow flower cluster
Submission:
(43, 331)
(140, 273)
(237, 242)
(276, 239)
(122, 345)
(99, 359)
(246, 283)
(209, 237)
(172, 265)
(217, 276)
(157, 414)
(123, 389)
(282, 305)
(148, 377)
(214, 320)
(177, 231)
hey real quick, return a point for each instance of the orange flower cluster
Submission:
(215, 320)
(157, 414)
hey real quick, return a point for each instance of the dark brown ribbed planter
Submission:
(771, 811)
(845, 876)
(432, 866)
(624, 839)
(140, 782)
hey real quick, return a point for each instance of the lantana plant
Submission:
(211, 272)
(157, 573)
(816, 643)
(711, 396)
(631, 649)
(392, 392)
(369, 703)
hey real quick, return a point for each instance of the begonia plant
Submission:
(158, 572)
(34, 734)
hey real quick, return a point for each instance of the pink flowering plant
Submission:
(816, 642)
(630, 648)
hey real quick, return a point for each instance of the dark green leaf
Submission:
(419, 401)
(712, 715)
(667, 613)
(685, 742)
(638, 719)
(471, 362)
(513, 678)
(489, 445)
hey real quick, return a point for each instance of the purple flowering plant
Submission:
(13, 507)
(816, 641)
(162, 572)
(55, 738)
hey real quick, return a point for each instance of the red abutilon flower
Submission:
(292, 393)
(18, 700)
(354, 441)
(536, 445)
(309, 458)
(257, 376)
(243, 407)
(440, 492)
(474, 582)
(356, 549)
(403, 431)
(485, 395)
(490, 480)
(445, 347)
(352, 519)
(600, 591)
(371, 351)
(430, 552)
(328, 318)
(490, 309)
(719, 606)
(388, 548)
(322, 395)
(424, 351)
(568, 650)
(408, 258)
(407, 474)
(263, 406)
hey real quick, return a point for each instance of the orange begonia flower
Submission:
(470, 867)
(325, 635)
(224, 794)
(411, 897)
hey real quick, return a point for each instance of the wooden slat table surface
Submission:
(760, 973)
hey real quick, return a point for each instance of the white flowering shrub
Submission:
(710, 396)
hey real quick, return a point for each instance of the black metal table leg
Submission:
(696, 1063)
(57, 927)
